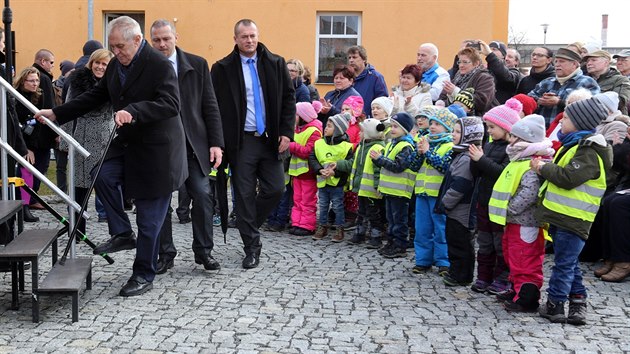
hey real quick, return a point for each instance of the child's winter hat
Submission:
(586, 114)
(356, 104)
(531, 128)
(384, 103)
(446, 118)
(466, 97)
(472, 130)
(610, 99)
(427, 111)
(308, 111)
(505, 115)
(457, 110)
(404, 120)
(529, 104)
(340, 122)
(372, 129)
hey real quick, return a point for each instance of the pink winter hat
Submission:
(356, 103)
(505, 115)
(308, 111)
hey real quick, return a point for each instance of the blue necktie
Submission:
(260, 122)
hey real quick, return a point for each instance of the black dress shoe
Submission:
(209, 263)
(163, 265)
(251, 260)
(28, 216)
(124, 241)
(136, 286)
(185, 220)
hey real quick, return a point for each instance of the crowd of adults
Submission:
(174, 115)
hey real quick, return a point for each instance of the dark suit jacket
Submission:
(154, 147)
(199, 108)
(278, 92)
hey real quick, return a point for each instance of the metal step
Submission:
(29, 246)
(8, 208)
(67, 279)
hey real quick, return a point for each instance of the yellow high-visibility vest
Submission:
(429, 179)
(396, 184)
(504, 188)
(581, 202)
(298, 166)
(330, 153)
(367, 186)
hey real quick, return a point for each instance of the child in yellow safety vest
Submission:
(308, 130)
(486, 165)
(574, 185)
(364, 180)
(431, 160)
(512, 204)
(330, 183)
(396, 183)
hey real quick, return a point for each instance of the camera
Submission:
(473, 44)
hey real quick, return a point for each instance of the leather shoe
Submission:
(251, 260)
(123, 241)
(209, 263)
(185, 220)
(37, 206)
(135, 286)
(163, 265)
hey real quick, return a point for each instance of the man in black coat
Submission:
(204, 143)
(148, 157)
(257, 104)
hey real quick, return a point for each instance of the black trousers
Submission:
(616, 233)
(461, 250)
(370, 211)
(257, 165)
(201, 191)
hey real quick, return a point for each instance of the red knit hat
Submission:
(505, 115)
(529, 104)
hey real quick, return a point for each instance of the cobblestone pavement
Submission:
(306, 297)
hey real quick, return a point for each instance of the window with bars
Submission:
(336, 32)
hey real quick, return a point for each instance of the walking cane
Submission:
(81, 236)
(85, 201)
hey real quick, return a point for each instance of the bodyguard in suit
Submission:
(257, 104)
(147, 158)
(204, 143)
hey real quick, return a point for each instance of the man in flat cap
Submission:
(608, 78)
(551, 93)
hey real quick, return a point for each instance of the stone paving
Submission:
(306, 297)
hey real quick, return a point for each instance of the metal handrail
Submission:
(39, 175)
(31, 107)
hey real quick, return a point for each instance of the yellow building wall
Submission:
(391, 29)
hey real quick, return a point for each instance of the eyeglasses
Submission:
(33, 81)
(539, 55)
(466, 62)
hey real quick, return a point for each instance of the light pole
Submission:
(545, 26)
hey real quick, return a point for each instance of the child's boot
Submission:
(359, 234)
(338, 235)
(375, 239)
(553, 311)
(322, 231)
(528, 297)
(577, 310)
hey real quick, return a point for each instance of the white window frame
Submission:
(318, 36)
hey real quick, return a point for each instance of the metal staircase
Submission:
(67, 276)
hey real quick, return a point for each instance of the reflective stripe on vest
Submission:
(366, 185)
(581, 202)
(396, 184)
(330, 153)
(504, 188)
(429, 179)
(298, 166)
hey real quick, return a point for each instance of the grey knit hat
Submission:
(341, 122)
(586, 114)
(472, 130)
(531, 128)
